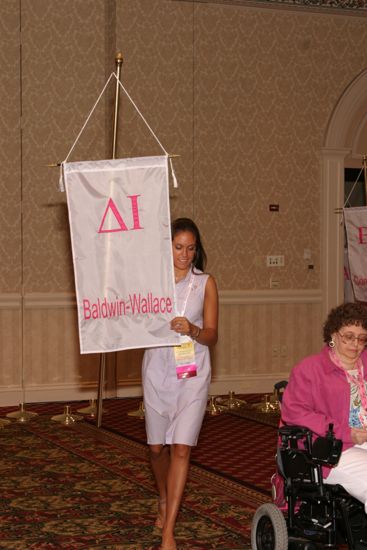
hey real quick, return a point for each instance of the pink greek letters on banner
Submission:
(122, 226)
(122, 253)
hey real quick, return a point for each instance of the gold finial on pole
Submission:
(119, 61)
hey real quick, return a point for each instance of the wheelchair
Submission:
(308, 513)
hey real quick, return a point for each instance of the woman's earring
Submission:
(331, 343)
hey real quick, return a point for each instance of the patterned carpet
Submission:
(83, 487)
(240, 446)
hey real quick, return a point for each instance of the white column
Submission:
(332, 250)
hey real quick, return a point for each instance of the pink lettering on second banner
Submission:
(362, 235)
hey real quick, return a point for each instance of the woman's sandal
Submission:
(159, 522)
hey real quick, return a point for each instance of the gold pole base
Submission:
(269, 404)
(67, 418)
(4, 422)
(22, 415)
(139, 413)
(232, 402)
(213, 408)
(91, 410)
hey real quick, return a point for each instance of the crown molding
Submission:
(340, 7)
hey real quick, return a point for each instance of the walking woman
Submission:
(176, 379)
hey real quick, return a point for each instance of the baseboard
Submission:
(246, 383)
(11, 396)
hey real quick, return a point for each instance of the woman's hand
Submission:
(182, 326)
(208, 334)
(358, 435)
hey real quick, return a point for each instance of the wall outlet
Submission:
(274, 261)
(274, 283)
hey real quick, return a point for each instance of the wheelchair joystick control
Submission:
(327, 450)
(330, 432)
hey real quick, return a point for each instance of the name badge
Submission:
(185, 360)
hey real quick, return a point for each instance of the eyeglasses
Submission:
(349, 338)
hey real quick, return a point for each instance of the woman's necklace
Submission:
(358, 380)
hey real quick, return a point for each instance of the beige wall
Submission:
(244, 95)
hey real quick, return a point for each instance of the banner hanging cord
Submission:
(175, 184)
(174, 178)
(355, 183)
(61, 178)
(141, 115)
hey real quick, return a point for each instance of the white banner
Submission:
(122, 253)
(356, 227)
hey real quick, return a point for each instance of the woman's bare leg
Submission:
(160, 462)
(176, 481)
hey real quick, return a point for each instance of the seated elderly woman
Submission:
(330, 387)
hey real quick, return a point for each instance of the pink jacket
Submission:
(318, 394)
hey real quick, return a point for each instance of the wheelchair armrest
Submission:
(327, 450)
(295, 464)
(324, 450)
(294, 431)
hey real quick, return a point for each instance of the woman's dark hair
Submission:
(185, 224)
(346, 314)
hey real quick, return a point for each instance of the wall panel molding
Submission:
(261, 335)
(40, 300)
(269, 296)
(10, 301)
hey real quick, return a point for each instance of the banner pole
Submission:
(102, 364)
(119, 61)
(101, 380)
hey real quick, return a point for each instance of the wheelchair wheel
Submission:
(269, 529)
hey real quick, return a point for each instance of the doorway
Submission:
(345, 145)
(354, 196)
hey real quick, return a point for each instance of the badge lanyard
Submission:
(358, 381)
(183, 309)
(185, 353)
